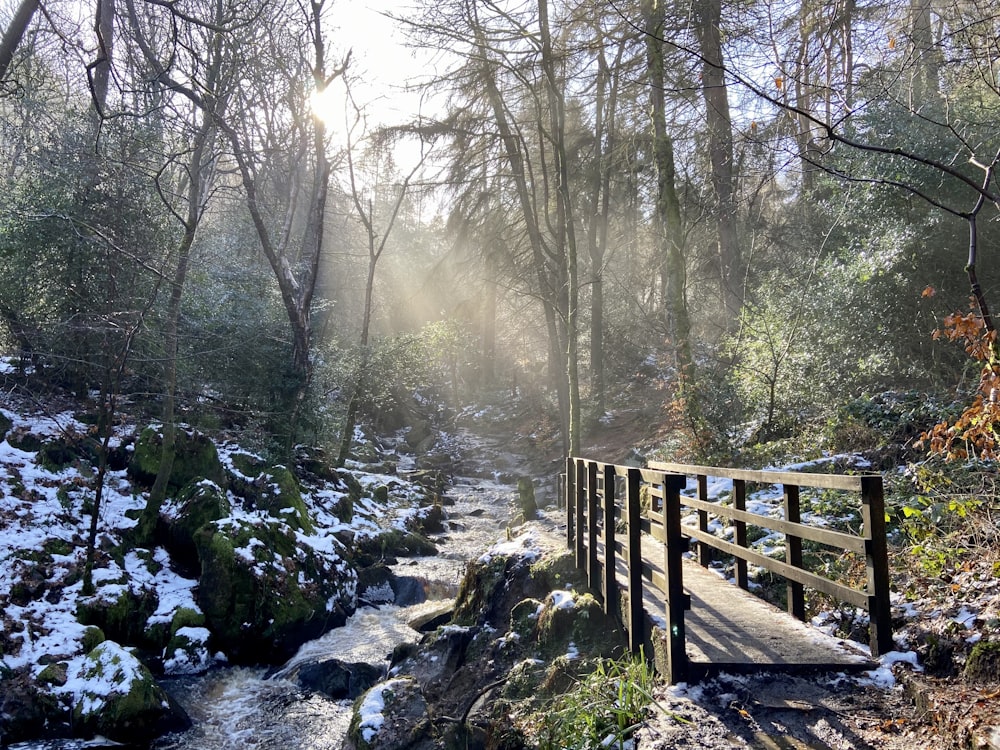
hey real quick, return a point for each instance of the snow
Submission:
(524, 545)
(44, 524)
(562, 599)
(370, 711)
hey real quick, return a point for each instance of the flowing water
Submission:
(248, 708)
(240, 708)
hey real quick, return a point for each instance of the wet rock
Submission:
(264, 593)
(25, 711)
(337, 679)
(439, 656)
(187, 652)
(428, 520)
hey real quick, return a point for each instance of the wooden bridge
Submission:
(625, 524)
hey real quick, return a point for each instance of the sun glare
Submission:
(327, 104)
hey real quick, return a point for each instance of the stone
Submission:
(392, 715)
(278, 495)
(337, 679)
(264, 593)
(983, 664)
(199, 503)
(526, 498)
(195, 458)
(120, 699)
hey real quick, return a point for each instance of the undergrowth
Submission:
(602, 710)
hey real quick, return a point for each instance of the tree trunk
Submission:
(670, 235)
(720, 150)
(15, 32)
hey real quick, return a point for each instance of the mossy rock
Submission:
(578, 619)
(263, 593)
(524, 680)
(199, 503)
(5, 425)
(390, 715)
(558, 571)
(477, 592)
(120, 699)
(526, 498)
(983, 664)
(278, 495)
(122, 618)
(54, 674)
(354, 488)
(187, 651)
(24, 440)
(93, 636)
(195, 457)
(524, 618)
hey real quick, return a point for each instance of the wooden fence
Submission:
(609, 507)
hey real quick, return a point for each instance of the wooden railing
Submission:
(600, 497)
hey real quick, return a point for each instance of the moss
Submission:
(125, 703)
(92, 637)
(526, 498)
(54, 674)
(479, 584)
(524, 617)
(185, 617)
(195, 458)
(122, 619)
(584, 625)
(280, 497)
(983, 664)
(262, 594)
(199, 503)
(558, 571)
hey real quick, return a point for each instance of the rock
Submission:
(337, 679)
(278, 494)
(120, 699)
(187, 652)
(439, 656)
(5, 425)
(526, 498)
(25, 711)
(428, 520)
(264, 593)
(195, 458)
(983, 664)
(121, 612)
(392, 715)
(376, 585)
(432, 618)
(198, 503)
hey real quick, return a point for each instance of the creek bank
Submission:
(247, 560)
(524, 629)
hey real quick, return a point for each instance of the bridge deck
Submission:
(728, 629)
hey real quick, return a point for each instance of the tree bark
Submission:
(15, 32)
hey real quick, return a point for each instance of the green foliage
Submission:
(933, 505)
(602, 710)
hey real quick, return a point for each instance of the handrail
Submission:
(598, 493)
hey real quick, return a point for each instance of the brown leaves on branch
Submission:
(975, 432)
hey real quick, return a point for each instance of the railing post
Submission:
(569, 500)
(793, 552)
(610, 588)
(740, 503)
(677, 601)
(704, 551)
(633, 516)
(581, 504)
(593, 496)
(877, 563)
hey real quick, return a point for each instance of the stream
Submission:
(244, 707)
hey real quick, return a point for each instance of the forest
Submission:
(779, 204)
(771, 226)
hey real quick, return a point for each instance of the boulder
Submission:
(195, 457)
(264, 593)
(337, 679)
(119, 698)
(392, 715)
(279, 496)
(121, 612)
(199, 503)
(187, 652)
